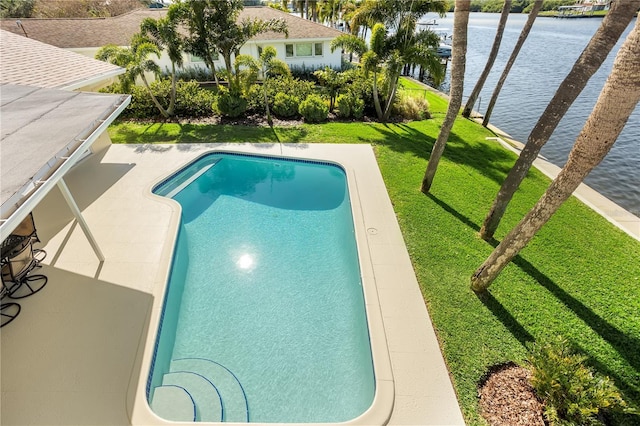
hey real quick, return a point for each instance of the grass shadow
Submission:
(506, 318)
(627, 346)
(464, 147)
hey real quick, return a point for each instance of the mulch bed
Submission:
(507, 398)
(258, 120)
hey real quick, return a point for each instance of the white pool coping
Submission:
(136, 230)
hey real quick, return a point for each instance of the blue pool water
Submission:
(264, 318)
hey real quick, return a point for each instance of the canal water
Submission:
(545, 59)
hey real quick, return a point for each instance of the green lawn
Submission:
(579, 277)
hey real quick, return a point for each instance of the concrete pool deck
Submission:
(75, 352)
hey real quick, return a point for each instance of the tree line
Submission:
(517, 6)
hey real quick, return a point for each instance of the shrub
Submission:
(344, 106)
(192, 100)
(285, 105)
(314, 109)
(570, 391)
(349, 105)
(291, 86)
(255, 98)
(411, 108)
(230, 103)
(194, 73)
(305, 72)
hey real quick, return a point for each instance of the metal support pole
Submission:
(76, 212)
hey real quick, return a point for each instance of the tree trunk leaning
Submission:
(153, 98)
(612, 27)
(512, 59)
(618, 99)
(458, 63)
(490, 61)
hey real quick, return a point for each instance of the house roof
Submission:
(27, 61)
(96, 32)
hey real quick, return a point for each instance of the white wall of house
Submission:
(308, 53)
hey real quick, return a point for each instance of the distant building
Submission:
(307, 44)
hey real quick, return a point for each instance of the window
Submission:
(259, 50)
(303, 50)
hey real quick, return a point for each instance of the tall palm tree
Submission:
(458, 63)
(328, 11)
(612, 27)
(135, 60)
(163, 32)
(204, 20)
(618, 99)
(235, 35)
(512, 59)
(506, 7)
(408, 48)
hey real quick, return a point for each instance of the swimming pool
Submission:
(264, 318)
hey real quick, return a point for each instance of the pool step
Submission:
(173, 403)
(216, 393)
(206, 397)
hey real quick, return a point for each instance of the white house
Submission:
(307, 44)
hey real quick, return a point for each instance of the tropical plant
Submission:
(270, 67)
(16, 8)
(235, 35)
(333, 81)
(163, 32)
(406, 46)
(329, 11)
(230, 103)
(616, 102)
(206, 21)
(411, 108)
(286, 105)
(458, 63)
(135, 60)
(350, 105)
(572, 394)
(313, 109)
(191, 100)
(592, 57)
(493, 54)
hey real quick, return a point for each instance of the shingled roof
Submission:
(96, 32)
(30, 62)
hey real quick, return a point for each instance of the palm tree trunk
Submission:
(490, 61)
(619, 97)
(212, 67)
(172, 100)
(587, 64)
(392, 94)
(512, 59)
(376, 100)
(153, 98)
(458, 63)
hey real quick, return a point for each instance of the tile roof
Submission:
(97, 32)
(30, 62)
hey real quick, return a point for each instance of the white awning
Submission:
(44, 132)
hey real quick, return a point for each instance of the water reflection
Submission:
(272, 182)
